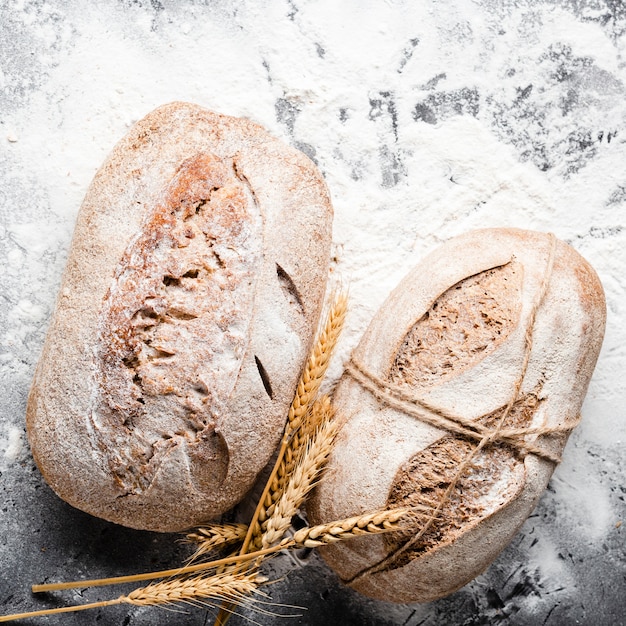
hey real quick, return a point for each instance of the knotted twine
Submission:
(398, 398)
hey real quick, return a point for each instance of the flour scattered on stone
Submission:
(427, 119)
(12, 444)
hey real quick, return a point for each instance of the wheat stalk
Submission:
(230, 586)
(180, 571)
(306, 391)
(63, 609)
(237, 585)
(367, 524)
(308, 386)
(211, 537)
(301, 481)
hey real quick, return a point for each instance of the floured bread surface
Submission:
(175, 323)
(493, 479)
(498, 329)
(465, 324)
(190, 298)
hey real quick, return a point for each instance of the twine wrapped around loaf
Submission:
(396, 397)
(399, 398)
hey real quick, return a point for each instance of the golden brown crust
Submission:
(192, 289)
(174, 324)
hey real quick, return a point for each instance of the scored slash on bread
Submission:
(494, 336)
(191, 294)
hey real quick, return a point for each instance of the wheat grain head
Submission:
(209, 538)
(227, 586)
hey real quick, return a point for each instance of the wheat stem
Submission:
(189, 569)
(308, 386)
(63, 609)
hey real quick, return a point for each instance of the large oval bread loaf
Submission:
(191, 293)
(458, 402)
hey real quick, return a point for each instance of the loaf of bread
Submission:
(192, 290)
(458, 402)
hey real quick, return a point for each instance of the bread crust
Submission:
(378, 444)
(193, 286)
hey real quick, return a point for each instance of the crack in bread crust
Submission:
(174, 324)
(464, 324)
(492, 477)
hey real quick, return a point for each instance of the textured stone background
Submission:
(426, 121)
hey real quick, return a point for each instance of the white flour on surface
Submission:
(400, 186)
(427, 120)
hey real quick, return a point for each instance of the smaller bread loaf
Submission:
(187, 308)
(459, 400)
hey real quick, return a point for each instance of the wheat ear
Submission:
(227, 586)
(211, 537)
(321, 411)
(307, 389)
(301, 481)
(190, 590)
(368, 524)
(320, 436)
